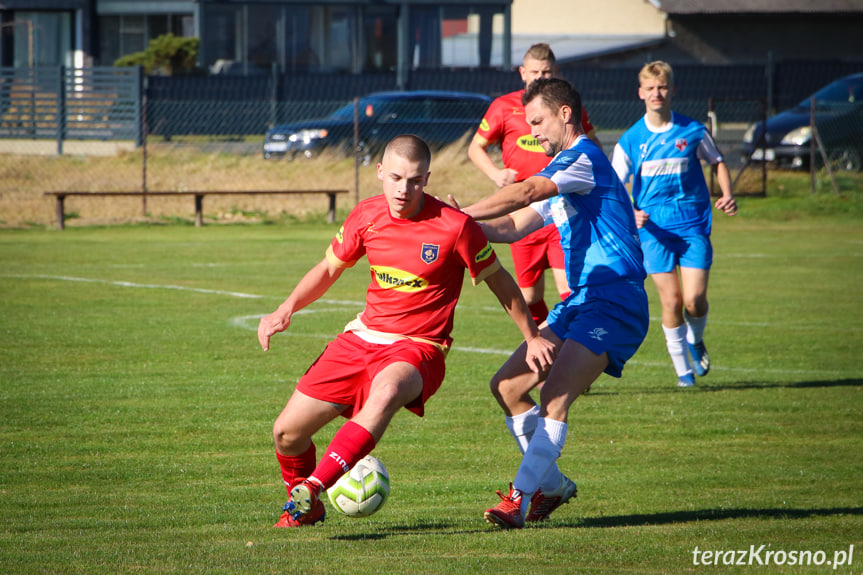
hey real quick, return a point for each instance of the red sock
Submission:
(294, 466)
(351, 443)
(539, 311)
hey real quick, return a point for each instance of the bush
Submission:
(167, 54)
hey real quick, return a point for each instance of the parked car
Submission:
(439, 117)
(838, 118)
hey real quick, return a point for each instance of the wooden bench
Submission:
(199, 199)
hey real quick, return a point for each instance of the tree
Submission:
(166, 54)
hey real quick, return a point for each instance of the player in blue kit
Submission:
(662, 154)
(599, 326)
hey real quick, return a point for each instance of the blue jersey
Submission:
(594, 216)
(667, 179)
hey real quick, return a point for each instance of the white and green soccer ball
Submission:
(363, 490)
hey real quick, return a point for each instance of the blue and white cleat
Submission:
(687, 380)
(700, 358)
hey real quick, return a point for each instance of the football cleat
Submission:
(287, 519)
(700, 358)
(304, 507)
(305, 498)
(687, 380)
(542, 504)
(507, 513)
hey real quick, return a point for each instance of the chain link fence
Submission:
(103, 132)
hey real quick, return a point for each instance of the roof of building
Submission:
(571, 47)
(756, 6)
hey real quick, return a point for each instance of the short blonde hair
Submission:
(541, 52)
(657, 69)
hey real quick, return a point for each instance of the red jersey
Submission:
(417, 267)
(504, 122)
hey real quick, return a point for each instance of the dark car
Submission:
(439, 117)
(838, 118)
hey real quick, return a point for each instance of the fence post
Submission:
(356, 150)
(771, 73)
(274, 93)
(61, 110)
(141, 107)
(812, 145)
(139, 97)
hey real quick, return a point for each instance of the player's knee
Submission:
(286, 440)
(672, 302)
(505, 390)
(494, 386)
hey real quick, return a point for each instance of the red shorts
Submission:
(343, 373)
(535, 253)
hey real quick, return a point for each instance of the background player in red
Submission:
(504, 123)
(392, 355)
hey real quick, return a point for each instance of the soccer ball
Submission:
(363, 490)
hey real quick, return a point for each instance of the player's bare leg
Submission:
(392, 388)
(513, 382)
(560, 281)
(292, 435)
(300, 419)
(573, 372)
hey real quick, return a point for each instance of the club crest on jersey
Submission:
(680, 144)
(430, 253)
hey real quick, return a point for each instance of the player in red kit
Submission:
(522, 156)
(392, 355)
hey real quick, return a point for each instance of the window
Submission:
(121, 35)
(263, 21)
(456, 36)
(380, 33)
(42, 39)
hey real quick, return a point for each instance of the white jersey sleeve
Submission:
(622, 163)
(708, 151)
(577, 178)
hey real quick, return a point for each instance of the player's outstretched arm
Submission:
(314, 284)
(540, 351)
(513, 227)
(512, 197)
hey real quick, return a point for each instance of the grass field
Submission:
(136, 410)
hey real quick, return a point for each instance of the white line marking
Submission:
(145, 286)
(242, 322)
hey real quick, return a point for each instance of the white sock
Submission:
(522, 426)
(541, 455)
(694, 327)
(679, 355)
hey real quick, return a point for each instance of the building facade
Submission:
(294, 36)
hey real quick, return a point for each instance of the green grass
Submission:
(136, 410)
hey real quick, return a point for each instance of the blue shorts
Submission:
(663, 255)
(609, 319)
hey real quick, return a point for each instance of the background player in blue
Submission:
(599, 326)
(662, 153)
